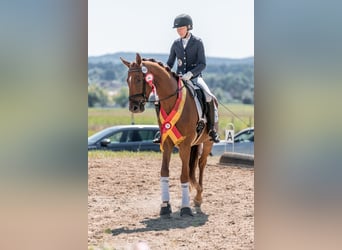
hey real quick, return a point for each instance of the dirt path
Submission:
(124, 202)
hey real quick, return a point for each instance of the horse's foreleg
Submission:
(185, 178)
(165, 209)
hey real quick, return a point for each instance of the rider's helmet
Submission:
(183, 20)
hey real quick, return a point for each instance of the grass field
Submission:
(99, 119)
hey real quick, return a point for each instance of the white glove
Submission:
(187, 76)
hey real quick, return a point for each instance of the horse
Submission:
(178, 121)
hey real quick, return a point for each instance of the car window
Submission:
(133, 136)
(97, 136)
(244, 137)
(117, 137)
(147, 135)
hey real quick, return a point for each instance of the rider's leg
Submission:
(201, 83)
(212, 122)
(212, 113)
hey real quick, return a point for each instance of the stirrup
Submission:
(214, 136)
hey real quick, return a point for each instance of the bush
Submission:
(247, 97)
(96, 96)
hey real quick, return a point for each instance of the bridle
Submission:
(144, 100)
(133, 98)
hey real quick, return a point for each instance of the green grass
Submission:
(99, 119)
(244, 112)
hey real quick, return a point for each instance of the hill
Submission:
(231, 80)
(130, 56)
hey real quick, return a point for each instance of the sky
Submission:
(225, 27)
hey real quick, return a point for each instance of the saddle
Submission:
(201, 104)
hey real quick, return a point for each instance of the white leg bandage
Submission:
(185, 195)
(164, 186)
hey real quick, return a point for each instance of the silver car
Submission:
(243, 143)
(125, 138)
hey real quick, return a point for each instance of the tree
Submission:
(109, 75)
(228, 80)
(247, 97)
(96, 96)
(121, 98)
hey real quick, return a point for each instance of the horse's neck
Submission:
(166, 87)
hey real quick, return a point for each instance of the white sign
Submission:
(229, 136)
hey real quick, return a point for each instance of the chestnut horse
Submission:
(178, 121)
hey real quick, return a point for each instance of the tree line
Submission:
(231, 83)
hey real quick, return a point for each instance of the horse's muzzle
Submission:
(136, 107)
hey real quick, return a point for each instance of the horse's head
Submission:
(139, 90)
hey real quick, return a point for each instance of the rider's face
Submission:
(182, 31)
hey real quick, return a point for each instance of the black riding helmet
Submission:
(183, 20)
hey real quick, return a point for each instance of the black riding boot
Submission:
(157, 138)
(211, 122)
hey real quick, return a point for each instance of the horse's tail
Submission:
(193, 164)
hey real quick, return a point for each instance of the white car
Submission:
(243, 143)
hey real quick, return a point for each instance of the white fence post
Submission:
(229, 136)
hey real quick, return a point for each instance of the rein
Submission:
(176, 93)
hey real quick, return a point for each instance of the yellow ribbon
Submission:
(169, 121)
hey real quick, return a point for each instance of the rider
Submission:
(189, 52)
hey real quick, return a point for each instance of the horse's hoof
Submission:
(165, 210)
(197, 203)
(186, 211)
(198, 210)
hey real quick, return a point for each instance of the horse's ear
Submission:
(125, 62)
(138, 59)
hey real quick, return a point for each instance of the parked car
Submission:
(125, 138)
(243, 143)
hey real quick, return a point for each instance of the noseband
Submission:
(133, 98)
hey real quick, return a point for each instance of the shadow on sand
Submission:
(161, 224)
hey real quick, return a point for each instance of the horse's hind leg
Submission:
(194, 160)
(165, 209)
(202, 164)
(193, 165)
(198, 198)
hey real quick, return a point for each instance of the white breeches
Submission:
(201, 83)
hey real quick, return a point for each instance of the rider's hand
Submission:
(187, 76)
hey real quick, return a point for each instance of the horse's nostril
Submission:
(135, 108)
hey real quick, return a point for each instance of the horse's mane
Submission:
(167, 68)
